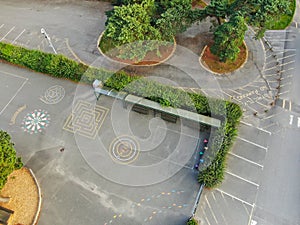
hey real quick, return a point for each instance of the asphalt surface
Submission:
(260, 177)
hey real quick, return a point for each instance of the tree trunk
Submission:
(4, 199)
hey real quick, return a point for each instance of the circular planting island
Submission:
(161, 53)
(212, 63)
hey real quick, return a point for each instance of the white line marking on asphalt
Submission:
(241, 178)
(14, 96)
(11, 74)
(18, 36)
(1, 25)
(236, 198)
(290, 107)
(245, 159)
(7, 33)
(248, 124)
(250, 142)
(298, 123)
(283, 103)
(212, 212)
(214, 197)
(266, 131)
(207, 220)
(285, 92)
(291, 119)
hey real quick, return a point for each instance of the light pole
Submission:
(43, 31)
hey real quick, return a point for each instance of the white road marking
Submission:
(245, 159)
(212, 212)
(14, 96)
(18, 36)
(250, 142)
(291, 119)
(1, 25)
(298, 123)
(241, 178)
(236, 198)
(290, 107)
(7, 33)
(283, 103)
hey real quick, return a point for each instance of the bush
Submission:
(8, 160)
(62, 67)
(192, 222)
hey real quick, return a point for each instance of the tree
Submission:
(256, 13)
(136, 27)
(175, 19)
(228, 37)
(8, 159)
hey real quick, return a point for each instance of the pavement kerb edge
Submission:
(221, 74)
(127, 64)
(39, 196)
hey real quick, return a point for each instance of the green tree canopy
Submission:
(228, 37)
(256, 13)
(130, 23)
(8, 160)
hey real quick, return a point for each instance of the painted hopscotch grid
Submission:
(86, 119)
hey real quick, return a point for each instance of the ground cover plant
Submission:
(61, 67)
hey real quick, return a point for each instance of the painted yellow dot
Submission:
(115, 216)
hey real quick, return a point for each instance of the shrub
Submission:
(8, 160)
(192, 222)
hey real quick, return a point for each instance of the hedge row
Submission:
(62, 67)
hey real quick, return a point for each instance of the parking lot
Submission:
(232, 203)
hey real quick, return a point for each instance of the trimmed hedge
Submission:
(63, 67)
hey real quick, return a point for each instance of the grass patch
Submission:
(284, 20)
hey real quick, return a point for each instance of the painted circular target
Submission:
(53, 95)
(124, 149)
(36, 121)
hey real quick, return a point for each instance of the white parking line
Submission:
(291, 119)
(243, 179)
(7, 33)
(245, 159)
(14, 96)
(18, 36)
(212, 212)
(250, 142)
(236, 198)
(298, 123)
(1, 25)
(283, 103)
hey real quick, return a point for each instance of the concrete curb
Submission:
(36, 217)
(128, 64)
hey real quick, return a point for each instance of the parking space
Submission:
(233, 202)
(33, 39)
